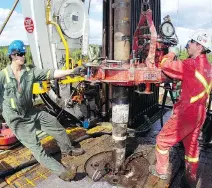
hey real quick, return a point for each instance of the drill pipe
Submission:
(111, 30)
(122, 29)
(120, 116)
(120, 94)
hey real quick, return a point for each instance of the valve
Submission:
(146, 91)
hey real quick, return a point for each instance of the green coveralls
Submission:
(24, 120)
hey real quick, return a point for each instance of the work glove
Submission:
(174, 50)
(79, 70)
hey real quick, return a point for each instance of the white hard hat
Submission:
(203, 38)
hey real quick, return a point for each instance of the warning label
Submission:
(29, 25)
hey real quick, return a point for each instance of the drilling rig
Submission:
(121, 86)
(134, 42)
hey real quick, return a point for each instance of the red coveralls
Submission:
(189, 112)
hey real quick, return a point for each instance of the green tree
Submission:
(210, 57)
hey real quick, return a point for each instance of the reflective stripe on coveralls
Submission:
(191, 160)
(12, 101)
(27, 68)
(6, 75)
(205, 84)
(163, 152)
(163, 60)
(48, 74)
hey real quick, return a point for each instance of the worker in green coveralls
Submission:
(24, 120)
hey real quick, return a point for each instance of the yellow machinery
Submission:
(52, 26)
(40, 88)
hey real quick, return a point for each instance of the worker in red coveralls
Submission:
(190, 111)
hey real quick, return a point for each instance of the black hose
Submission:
(162, 107)
(207, 126)
(147, 121)
(57, 111)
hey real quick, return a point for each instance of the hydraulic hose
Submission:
(65, 43)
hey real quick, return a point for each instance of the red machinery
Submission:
(7, 138)
(148, 48)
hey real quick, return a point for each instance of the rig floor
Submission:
(37, 176)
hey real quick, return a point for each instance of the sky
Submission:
(186, 15)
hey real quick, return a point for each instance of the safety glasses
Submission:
(20, 54)
(190, 41)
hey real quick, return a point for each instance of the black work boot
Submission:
(74, 152)
(69, 174)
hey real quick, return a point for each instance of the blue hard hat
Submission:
(17, 46)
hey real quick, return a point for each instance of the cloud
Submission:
(14, 28)
(95, 6)
(188, 16)
(95, 31)
(183, 35)
(192, 14)
(95, 21)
